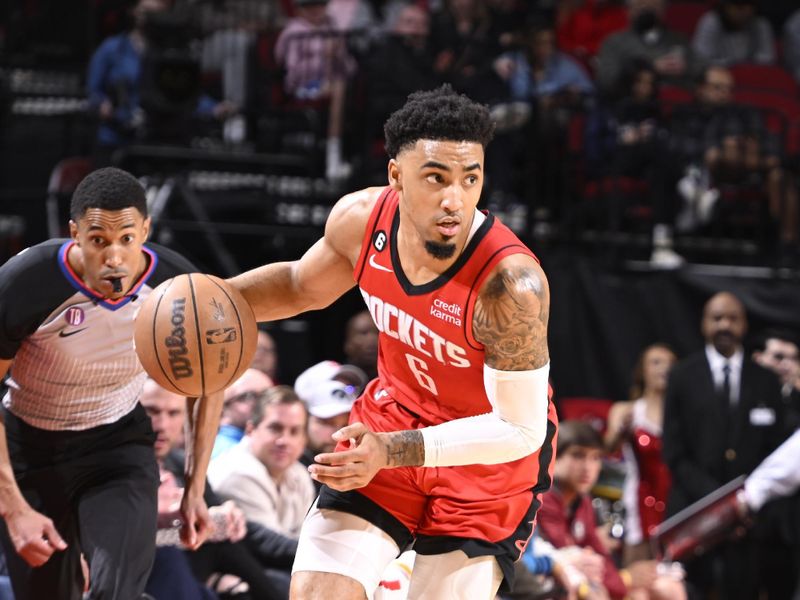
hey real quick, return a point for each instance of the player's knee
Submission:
(312, 585)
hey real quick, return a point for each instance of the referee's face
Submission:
(108, 248)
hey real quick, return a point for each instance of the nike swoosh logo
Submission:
(372, 263)
(63, 333)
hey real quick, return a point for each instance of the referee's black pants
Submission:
(99, 487)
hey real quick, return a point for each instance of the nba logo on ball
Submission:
(74, 315)
(195, 334)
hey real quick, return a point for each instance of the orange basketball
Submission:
(195, 334)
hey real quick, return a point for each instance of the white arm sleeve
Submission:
(515, 428)
(778, 475)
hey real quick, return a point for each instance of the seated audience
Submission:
(567, 518)
(732, 32)
(237, 408)
(316, 66)
(647, 38)
(262, 473)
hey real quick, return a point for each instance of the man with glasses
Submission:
(238, 403)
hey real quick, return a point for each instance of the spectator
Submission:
(178, 574)
(732, 33)
(237, 409)
(329, 406)
(647, 38)
(625, 139)
(351, 15)
(791, 45)
(400, 63)
(114, 84)
(466, 44)
(317, 66)
(583, 26)
(262, 473)
(329, 370)
(539, 71)
(567, 519)
(722, 417)
(361, 346)
(266, 357)
(636, 426)
(777, 351)
(725, 144)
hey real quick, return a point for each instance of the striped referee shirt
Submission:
(74, 363)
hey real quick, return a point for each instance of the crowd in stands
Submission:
(684, 115)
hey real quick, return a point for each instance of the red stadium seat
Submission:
(585, 408)
(64, 178)
(764, 77)
(683, 16)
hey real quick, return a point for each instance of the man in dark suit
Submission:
(722, 418)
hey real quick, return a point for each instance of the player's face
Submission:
(321, 430)
(280, 438)
(440, 183)
(724, 323)
(110, 247)
(657, 363)
(578, 468)
(167, 412)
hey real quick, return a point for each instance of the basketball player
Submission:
(77, 468)
(451, 446)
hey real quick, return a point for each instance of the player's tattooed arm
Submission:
(511, 315)
(404, 448)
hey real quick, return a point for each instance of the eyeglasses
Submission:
(244, 397)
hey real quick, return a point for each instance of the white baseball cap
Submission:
(329, 370)
(330, 398)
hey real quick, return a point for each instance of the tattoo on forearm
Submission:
(405, 449)
(510, 319)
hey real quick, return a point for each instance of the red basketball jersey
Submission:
(428, 359)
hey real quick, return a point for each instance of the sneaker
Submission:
(664, 257)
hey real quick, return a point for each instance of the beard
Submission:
(440, 250)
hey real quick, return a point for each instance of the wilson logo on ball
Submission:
(179, 364)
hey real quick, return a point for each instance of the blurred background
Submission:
(645, 150)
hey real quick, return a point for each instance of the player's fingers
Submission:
(53, 537)
(347, 470)
(188, 534)
(353, 431)
(344, 484)
(338, 458)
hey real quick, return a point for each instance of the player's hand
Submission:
(34, 536)
(196, 523)
(356, 465)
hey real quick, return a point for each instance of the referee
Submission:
(77, 469)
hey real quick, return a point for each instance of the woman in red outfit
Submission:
(636, 426)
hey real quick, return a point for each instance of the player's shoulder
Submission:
(349, 217)
(169, 263)
(520, 271)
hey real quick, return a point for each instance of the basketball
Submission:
(195, 334)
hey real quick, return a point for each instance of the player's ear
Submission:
(146, 229)
(395, 176)
(248, 428)
(73, 231)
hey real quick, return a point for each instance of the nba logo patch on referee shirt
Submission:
(74, 315)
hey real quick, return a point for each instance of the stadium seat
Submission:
(764, 77)
(683, 16)
(64, 178)
(585, 408)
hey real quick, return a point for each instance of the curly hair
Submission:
(440, 114)
(108, 189)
